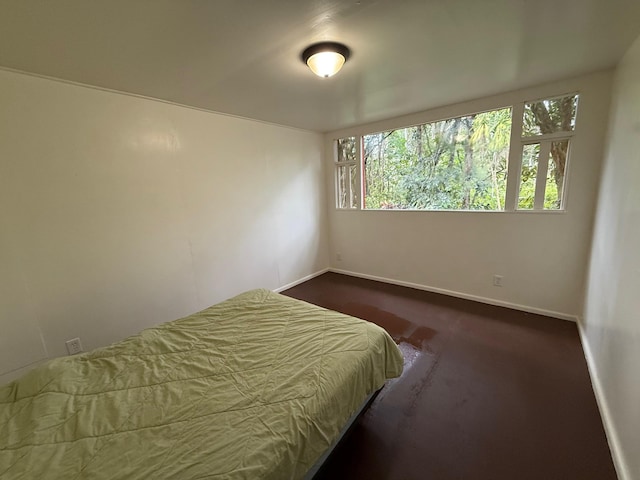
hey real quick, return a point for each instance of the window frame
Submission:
(545, 140)
(514, 158)
(347, 164)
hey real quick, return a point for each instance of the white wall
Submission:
(119, 212)
(542, 256)
(611, 325)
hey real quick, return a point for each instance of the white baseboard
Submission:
(453, 293)
(12, 375)
(301, 280)
(603, 406)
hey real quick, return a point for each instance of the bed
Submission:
(255, 387)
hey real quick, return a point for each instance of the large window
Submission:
(462, 163)
(455, 164)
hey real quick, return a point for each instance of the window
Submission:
(346, 155)
(462, 163)
(455, 164)
(547, 128)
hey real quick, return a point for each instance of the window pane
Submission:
(353, 175)
(455, 164)
(347, 149)
(527, 193)
(342, 187)
(549, 116)
(556, 175)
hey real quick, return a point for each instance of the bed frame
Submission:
(316, 470)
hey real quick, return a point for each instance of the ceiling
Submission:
(243, 57)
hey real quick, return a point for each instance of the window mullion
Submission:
(541, 175)
(360, 173)
(548, 136)
(515, 158)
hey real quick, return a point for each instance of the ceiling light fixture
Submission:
(325, 59)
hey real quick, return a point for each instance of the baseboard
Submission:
(453, 293)
(12, 375)
(301, 280)
(603, 406)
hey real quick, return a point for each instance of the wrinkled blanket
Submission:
(255, 387)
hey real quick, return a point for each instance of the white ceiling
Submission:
(243, 57)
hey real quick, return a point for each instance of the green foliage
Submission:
(548, 116)
(528, 175)
(461, 163)
(455, 164)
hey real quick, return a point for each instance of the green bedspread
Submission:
(255, 387)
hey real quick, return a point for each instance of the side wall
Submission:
(611, 325)
(542, 256)
(119, 212)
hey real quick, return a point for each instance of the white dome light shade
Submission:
(326, 59)
(325, 64)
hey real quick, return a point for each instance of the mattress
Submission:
(255, 387)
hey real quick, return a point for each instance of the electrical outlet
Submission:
(497, 280)
(74, 346)
(338, 257)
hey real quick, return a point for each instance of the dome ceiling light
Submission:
(325, 59)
